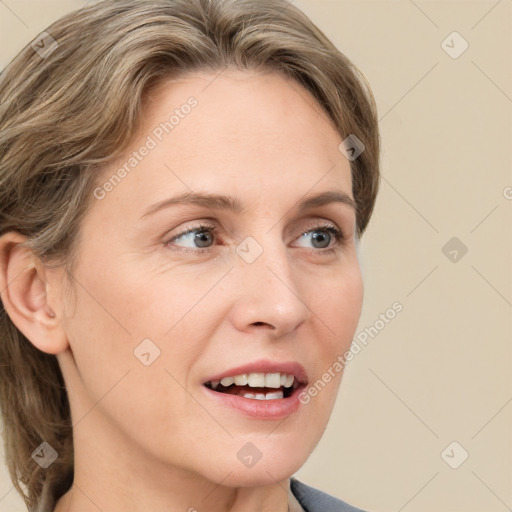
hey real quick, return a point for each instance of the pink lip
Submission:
(265, 366)
(261, 409)
(257, 409)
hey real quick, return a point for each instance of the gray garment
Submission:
(313, 500)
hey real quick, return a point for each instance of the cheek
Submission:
(118, 311)
(339, 308)
(336, 309)
(143, 301)
(350, 300)
(111, 320)
(336, 314)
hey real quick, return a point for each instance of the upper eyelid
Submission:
(212, 226)
(344, 219)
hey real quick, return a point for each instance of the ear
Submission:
(25, 294)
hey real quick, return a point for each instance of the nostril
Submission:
(264, 323)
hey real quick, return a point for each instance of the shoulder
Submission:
(313, 500)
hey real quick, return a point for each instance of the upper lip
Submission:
(265, 366)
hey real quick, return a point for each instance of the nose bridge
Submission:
(269, 293)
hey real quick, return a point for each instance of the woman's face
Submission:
(263, 289)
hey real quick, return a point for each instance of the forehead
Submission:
(246, 107)
(250, 132)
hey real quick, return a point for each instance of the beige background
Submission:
(440, 371)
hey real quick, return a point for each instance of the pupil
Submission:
(319, 235)
(201, 237)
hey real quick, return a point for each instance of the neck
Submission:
(112, 473)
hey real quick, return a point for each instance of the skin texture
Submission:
(149, 437)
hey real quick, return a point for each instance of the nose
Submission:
(269, 294)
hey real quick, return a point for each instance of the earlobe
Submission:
(24, 290)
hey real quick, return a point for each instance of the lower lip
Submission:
(261, 409)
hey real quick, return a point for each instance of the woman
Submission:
(184, 185)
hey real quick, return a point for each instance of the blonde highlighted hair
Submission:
(66, 114)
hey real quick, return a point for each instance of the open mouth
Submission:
(257, 386)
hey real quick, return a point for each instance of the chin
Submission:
(257, 462)
(258, 476)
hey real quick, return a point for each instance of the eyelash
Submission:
(330, 228)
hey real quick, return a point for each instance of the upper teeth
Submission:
(257, 380)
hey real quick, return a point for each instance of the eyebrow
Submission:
(226, 202)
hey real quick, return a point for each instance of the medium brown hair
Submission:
(67, 114)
